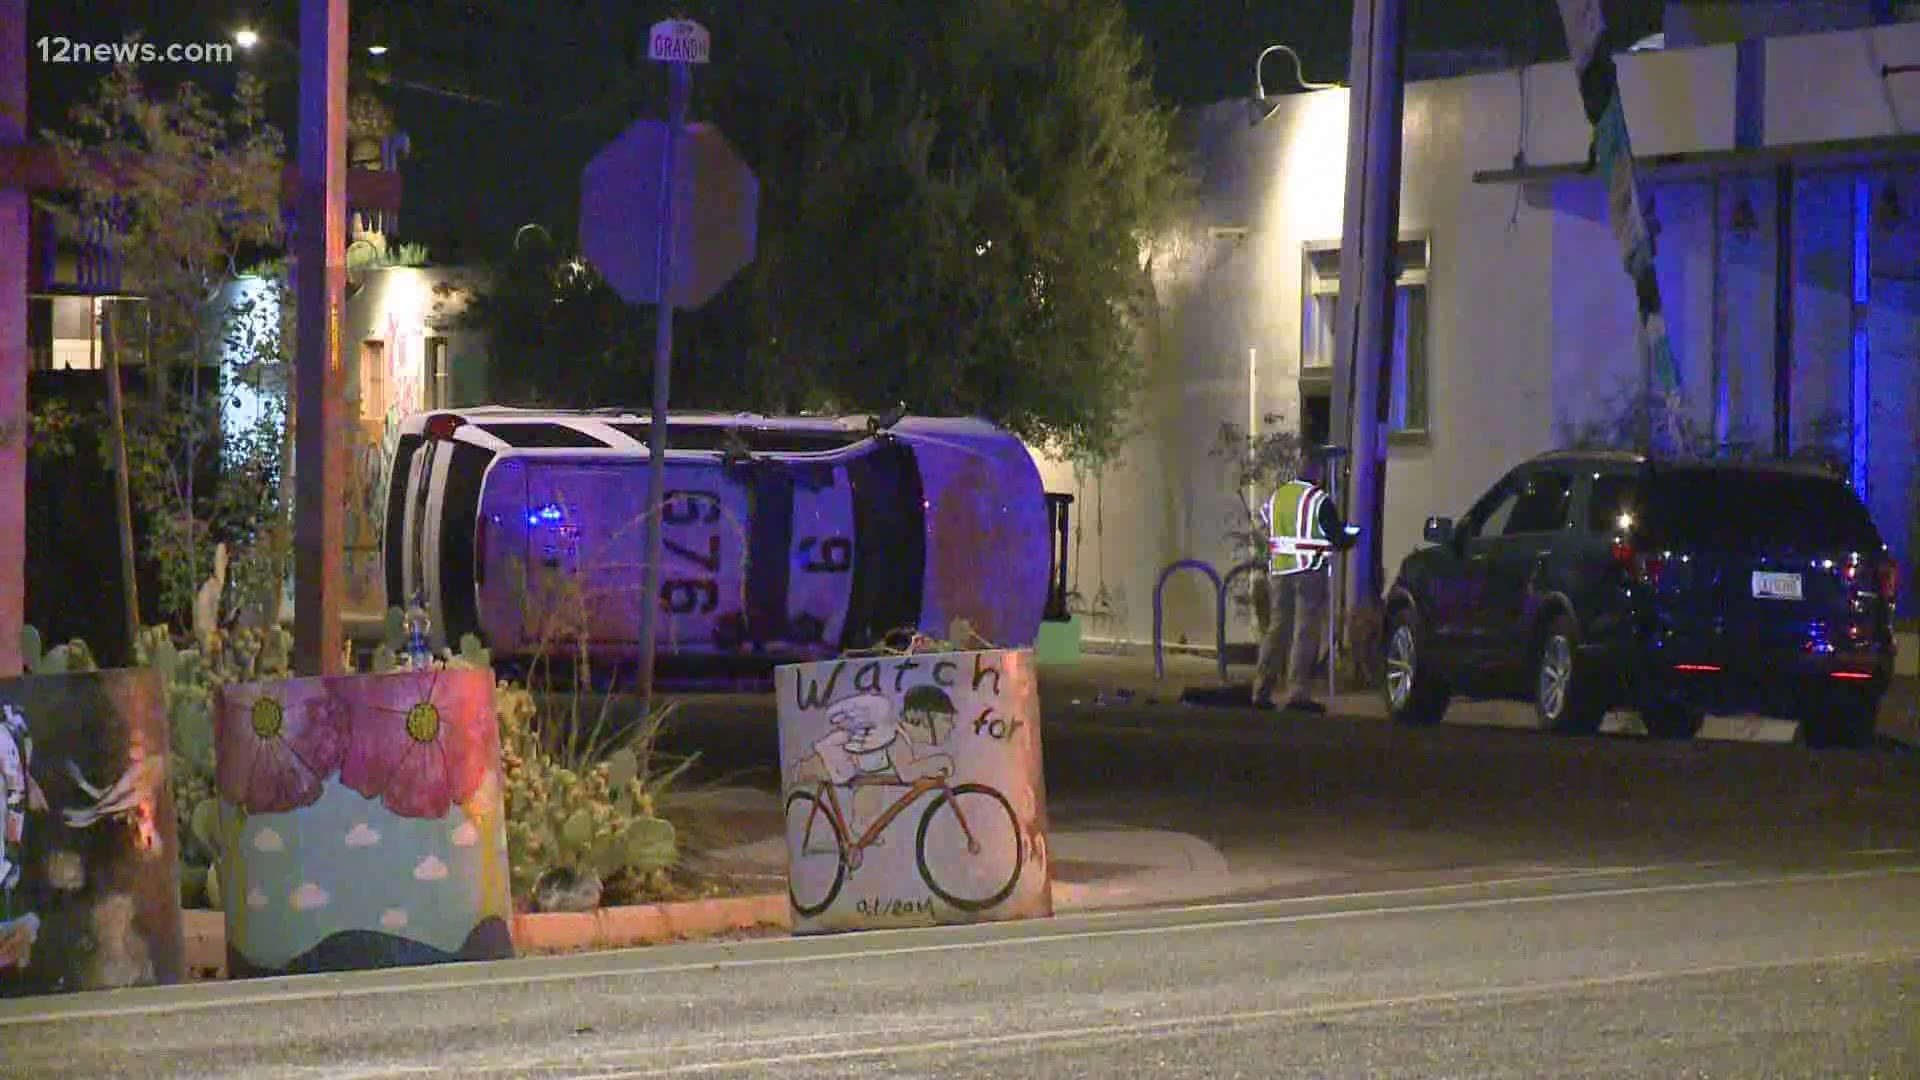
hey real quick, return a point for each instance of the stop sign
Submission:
(716, 199)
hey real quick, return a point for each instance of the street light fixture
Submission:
(376, 50)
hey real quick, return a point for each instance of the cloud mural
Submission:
(308, 897)
(430, 869)
(363, 835)
(268, 840)
(394, 919)
(256, 899)
(466, 835)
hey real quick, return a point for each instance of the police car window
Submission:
(543, 436)
(1542, 507)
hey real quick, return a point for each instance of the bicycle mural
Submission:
(913, 790)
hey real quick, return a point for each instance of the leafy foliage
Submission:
(952, 215)
(191, 188)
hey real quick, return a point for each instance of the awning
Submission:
(1836, 154)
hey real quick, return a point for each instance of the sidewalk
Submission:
(1119, 679)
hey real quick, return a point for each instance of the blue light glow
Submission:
(550, 514)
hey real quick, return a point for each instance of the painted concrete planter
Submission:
(89, 883)
(362, 823)
(913, 791)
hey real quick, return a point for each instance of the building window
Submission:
(1320, 285)
(440, 388)
(78, 333)
(373, 379)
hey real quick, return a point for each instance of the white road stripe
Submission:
(1182, 1024)
(278, 993)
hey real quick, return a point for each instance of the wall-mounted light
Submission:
(376, 50)
(1299, 74)
(246, 37)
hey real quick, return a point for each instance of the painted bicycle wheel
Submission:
(816, 855)
(974, 865)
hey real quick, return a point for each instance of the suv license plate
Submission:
(1767, 586)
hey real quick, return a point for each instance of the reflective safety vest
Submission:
(1295, 542)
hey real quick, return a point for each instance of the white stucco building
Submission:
(1517, 317)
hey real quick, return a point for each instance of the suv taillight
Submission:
(1645, 567)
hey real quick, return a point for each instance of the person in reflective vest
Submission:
(1304, 530)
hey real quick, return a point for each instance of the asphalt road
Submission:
(1330, 804)
(1694, 971)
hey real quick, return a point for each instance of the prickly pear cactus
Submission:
(599, 817)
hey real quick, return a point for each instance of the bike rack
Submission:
(1220, 588)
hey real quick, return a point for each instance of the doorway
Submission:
(1316, 415)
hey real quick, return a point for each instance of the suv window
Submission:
(1489, 516)
(1542, 507)
(1610, 505)
(1742, 508)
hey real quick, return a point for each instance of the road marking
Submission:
(1883, 851)
(1182, 1024)
(432, 979)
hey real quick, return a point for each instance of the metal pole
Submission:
(682, 83)
(13, 342)
(321, 268)
(1368, 259)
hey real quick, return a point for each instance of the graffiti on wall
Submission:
(912, 790)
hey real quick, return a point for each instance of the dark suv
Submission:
(1588, 581)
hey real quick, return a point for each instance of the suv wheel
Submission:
(1562, 697)
(1415, 695)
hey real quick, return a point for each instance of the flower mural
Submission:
(405, 753)
(400, 858)
(278, 744)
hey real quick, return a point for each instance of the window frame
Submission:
(1320, 291)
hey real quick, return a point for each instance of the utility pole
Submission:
(13, 342)
(1369, 242)
(320, 264)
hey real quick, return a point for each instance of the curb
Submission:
(205, 931)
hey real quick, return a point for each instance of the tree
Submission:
(954, 207)
(190, 189)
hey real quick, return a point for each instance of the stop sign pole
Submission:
(679, 44)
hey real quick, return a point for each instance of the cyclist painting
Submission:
(868, 747)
